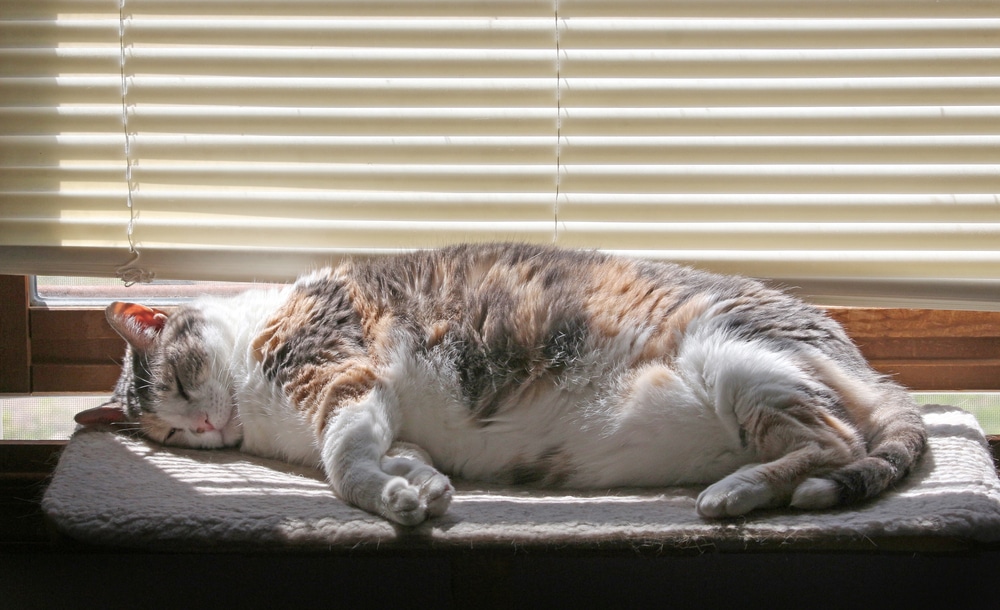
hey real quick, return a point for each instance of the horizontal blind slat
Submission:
(49, 30)
(781, 120)
(794, 236)
(786, 64)
(778, 207)
(344, 121)
(457, 150)
(784, 9)
(787, 178)
(64, 119)
(360, 177)
(346, 63)
(882, 91)
(58, 90)
(349, 92)
(340, 32)
(343, 233)
(28, 62)
(707, 32)
(839, 265)
(725, 150)
(348, 8)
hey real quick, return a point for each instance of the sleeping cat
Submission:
(522, 364)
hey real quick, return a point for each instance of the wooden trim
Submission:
(15, 351)
(74, 350)
(926, 349)
(874, 322)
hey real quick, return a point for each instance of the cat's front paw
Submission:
(412, 504)
(437, 492)
(401, 502)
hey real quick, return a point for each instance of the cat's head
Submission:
(175, 385)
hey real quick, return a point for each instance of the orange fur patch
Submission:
(620, 298)
(296, 312)
(320, 391)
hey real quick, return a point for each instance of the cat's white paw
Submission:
(737, 494)
(409, 504)
(436, 493)
(413, 463)
(401, 502)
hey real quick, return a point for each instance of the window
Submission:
(848, 150)
(65, 291)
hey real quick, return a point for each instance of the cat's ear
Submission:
(137, 324)
(106, 414)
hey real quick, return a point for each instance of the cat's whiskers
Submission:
(130, 429)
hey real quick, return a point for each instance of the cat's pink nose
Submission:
(204, 426)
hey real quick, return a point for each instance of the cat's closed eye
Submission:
(180, 387)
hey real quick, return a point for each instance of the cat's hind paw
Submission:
(737, 494)
(816, 493)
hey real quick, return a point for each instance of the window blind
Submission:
(851, 150)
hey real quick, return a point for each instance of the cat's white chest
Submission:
(271, 425)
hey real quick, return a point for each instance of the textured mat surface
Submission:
(111, 490)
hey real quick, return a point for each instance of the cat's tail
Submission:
(891, 422)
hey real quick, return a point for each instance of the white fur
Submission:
(271, 427)
(647, 427)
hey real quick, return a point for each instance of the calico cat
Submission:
(522, 364)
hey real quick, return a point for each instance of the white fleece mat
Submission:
(111, 490)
